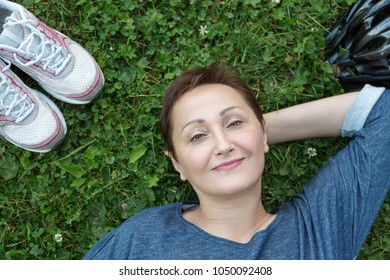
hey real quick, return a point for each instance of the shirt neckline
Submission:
(190, 205)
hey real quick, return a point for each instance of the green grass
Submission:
(111, 164)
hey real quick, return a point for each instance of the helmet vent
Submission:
(381, 15)
(375, 44)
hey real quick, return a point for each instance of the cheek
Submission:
(252, 142)
(194, 159)
(255, 147)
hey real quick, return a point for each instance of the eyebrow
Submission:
(223, 112)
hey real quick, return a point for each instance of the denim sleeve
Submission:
(360, 109)
(367, 166)
(340, 204)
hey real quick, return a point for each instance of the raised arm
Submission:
(320, 118)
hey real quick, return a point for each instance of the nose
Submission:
(223, 143)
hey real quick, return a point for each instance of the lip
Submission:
(228, 165)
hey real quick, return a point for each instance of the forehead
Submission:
(207, 99)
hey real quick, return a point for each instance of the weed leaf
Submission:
(74, 169)
(8, 167)
(137, 153)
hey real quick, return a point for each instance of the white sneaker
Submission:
(61, 66)
(28, 119)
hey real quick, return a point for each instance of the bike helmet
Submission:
(358, 45)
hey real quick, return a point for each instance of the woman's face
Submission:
(218, 140)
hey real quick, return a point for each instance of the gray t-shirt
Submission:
(329, 219)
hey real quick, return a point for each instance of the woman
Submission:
(216, 139)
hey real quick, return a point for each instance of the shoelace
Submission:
(48, 53)
(12, 100)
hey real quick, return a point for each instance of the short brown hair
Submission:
(217, 73)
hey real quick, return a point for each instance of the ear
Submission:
(176, 164)
(266, 147)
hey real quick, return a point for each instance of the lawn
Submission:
(111, 164)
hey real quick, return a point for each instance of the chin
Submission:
(231, 188)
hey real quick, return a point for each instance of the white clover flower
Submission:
(203, 30)
(276, 1)
(58, 237)
(125, 207)
(312, 152)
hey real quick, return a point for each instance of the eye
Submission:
(197, 137)
(234, 123)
